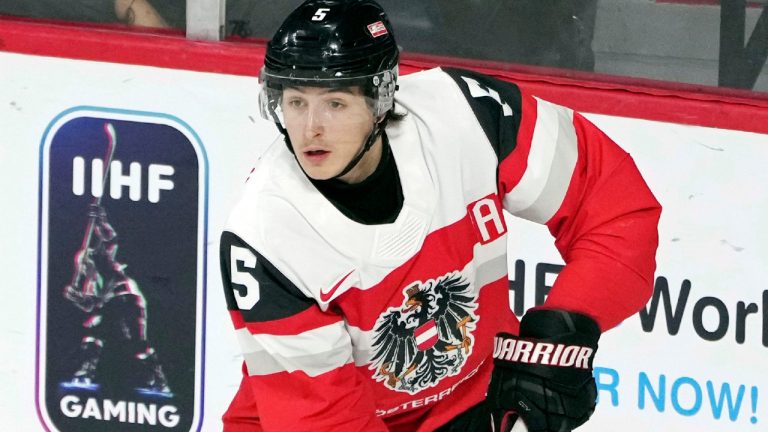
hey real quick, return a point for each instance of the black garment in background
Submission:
(556, 33)
(376, 200)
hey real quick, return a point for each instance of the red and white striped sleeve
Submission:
(557, 168)
(298, 368)
(566, 173)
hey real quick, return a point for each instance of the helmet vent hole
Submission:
(307, 37)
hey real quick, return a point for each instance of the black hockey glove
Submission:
(545, 374)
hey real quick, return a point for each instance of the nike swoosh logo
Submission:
(325, 296)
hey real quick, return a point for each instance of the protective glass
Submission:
(329, 99)
(320, 107)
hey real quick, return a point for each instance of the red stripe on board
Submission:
(117, 44)
(622, 96)
(593, 93)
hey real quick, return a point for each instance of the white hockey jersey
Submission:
(345, 326)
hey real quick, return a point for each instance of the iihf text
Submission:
(156, 176)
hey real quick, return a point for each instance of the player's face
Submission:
(327, 127)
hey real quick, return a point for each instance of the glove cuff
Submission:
(509, 349)
(559, 324)
(549, 338)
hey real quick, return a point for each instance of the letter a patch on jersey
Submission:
(488, 219)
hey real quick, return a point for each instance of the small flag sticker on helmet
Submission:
(377, 29)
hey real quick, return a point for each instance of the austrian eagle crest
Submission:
(428, 338)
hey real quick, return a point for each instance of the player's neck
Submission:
(377, 199)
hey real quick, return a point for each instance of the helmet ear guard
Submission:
(386, 86)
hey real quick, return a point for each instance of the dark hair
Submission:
(394, 117)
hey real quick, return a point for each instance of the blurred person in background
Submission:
(140, 13)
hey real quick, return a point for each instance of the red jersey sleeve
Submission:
(566, 173)
(299, 373)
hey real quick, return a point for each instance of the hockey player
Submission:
(365, 267)
(117, 312)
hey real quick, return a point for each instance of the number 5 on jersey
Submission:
(248, 296)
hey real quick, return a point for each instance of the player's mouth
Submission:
(316, 155)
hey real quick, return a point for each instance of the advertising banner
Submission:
(119, 179)
(122, 231)
(693, 357)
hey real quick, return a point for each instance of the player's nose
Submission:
(314, 123)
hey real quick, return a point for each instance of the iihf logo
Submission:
(121, 253)
(428, 338)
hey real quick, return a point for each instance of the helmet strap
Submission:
(281, 128)
(378, 129)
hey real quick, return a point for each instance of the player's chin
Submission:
(317, 172)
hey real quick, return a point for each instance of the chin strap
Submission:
(283, 131)
(378, 129)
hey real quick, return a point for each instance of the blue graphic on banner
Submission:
(726, 397)
(122, 232)
(684, 396)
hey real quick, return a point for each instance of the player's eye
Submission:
(336, 104)
(295, 103)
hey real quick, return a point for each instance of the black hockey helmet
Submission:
(332, 43)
